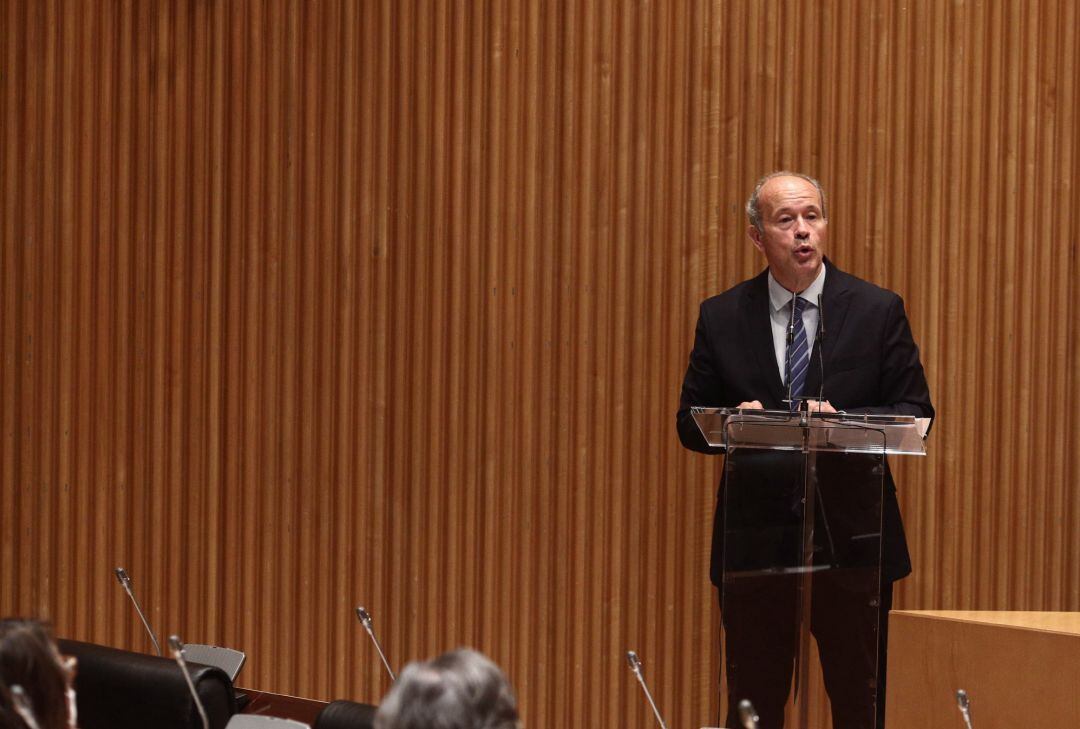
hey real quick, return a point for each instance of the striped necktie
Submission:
(798, 354)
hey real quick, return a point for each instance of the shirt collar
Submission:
(781, 297)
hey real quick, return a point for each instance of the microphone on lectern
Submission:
(21, 702)
(177, 649)
(787, 352)
(964, 704)
(821, 347)
(365, 620)
(125, 582)
(748, 716)
(635, 666)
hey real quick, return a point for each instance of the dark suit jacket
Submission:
(870, 361)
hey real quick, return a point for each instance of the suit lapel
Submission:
(757, 327)
(835, 299)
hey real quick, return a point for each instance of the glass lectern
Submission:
(802, 525)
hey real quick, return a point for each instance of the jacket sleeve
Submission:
(701, 386)
(902, 387)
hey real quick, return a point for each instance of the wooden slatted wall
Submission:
(311, 304)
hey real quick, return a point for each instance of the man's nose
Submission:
(802, 228)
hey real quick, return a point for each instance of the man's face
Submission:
(794, 231)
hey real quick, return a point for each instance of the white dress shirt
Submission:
(780, 316)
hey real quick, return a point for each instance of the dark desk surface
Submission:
(282, 706)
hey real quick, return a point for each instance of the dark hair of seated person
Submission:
(461, 689)
(29, 658)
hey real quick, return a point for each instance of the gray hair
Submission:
(753, 212)
(461, 689)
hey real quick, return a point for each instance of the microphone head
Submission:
(363, 617)
(633, 660)
(175, 645)
(21, 703)
(19, 697)
(962, 700)
(747, 715)
(122, 576)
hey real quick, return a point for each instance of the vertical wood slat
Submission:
(307, 305)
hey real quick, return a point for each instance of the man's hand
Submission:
(752, 405)
(820, 406)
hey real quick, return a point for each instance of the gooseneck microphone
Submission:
(365, 620)
(125, 582)
(21, 702)
(748, 716)
(787, 351)
(964, 704)
(635, 666)
(821, 347)
(177, 649)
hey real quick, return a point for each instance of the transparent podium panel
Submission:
(843, 432)
(801, 529)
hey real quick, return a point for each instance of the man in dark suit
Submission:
(745, 355)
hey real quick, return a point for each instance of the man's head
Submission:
(461, 689)
(789, 225)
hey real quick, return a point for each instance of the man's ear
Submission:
(755, 235)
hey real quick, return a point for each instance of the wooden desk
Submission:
(282, 706)
(1018, 668)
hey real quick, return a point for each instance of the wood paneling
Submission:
(311, 304)
(1016, 667)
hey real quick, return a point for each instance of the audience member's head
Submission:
(29, 658)
(461, 689)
